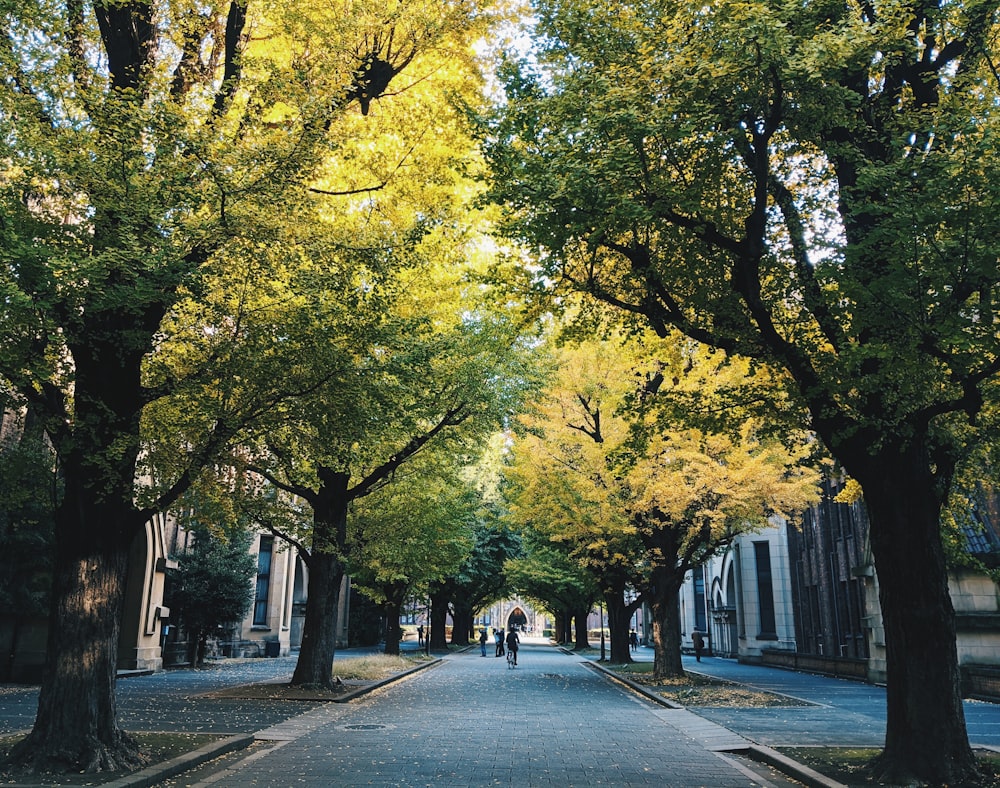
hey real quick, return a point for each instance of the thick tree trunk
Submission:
(560, 631)
(314, 667)
(582, 640)
(618, 617)
(926, 736)
(76, 726)
(393, 632)
(439, 621)
(461, 624)
(665, 583)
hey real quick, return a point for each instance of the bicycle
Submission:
(511, 656)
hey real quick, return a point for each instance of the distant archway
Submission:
(517, 619)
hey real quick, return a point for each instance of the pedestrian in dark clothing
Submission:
(633, 640)
(482, 641)
(512, 643)
(420, 635)
(498, 634)
(698, 641)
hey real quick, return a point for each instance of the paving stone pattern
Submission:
(473, 722)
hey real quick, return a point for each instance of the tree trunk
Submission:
(560, 631)
(664, 599)
(582, 640)
(461, 624)
(393, 632)
(76, 727)
(439, 621)
(95, 523)
(314, 667)
(926, 736)
(618, 617)
(395, 596)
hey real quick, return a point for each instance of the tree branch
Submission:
(235, 23)
(451, 418)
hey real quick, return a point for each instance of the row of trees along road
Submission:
(176, 268)
(815, 187)
(640, 494)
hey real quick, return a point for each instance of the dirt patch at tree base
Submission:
(155, 747)
(849, 765)
(285, 691)
(703, 691)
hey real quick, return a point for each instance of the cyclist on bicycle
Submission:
(512, 643)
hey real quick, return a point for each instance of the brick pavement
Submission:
(472, 722)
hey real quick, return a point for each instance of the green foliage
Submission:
(548, 576)
(414, 531)
(481, 579)
(212, 586)
(28, 492)
(716, 169)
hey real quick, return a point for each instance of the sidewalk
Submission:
(844, 713)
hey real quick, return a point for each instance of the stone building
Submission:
(805, 595)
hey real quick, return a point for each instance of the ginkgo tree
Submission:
(143, 143)
(548, 575)
(680, 494)
(417, 530)
(814, 186)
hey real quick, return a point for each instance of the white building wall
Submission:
(733, 607)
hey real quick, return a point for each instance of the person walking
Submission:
(420, 635)
(512, 643)
(498, 634)
(482, 641)
(698, 641)
(633, 640)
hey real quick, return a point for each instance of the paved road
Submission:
(472, 722)
(845, 713)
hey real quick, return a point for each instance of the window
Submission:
(700, 619)
(765, 591)
(263, 581)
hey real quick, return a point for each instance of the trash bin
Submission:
(272, 648)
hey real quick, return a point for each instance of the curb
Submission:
(157, 773)
(786, 765)
(757, 752)
(347, 697)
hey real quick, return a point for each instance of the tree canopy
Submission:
(640, 499)
(811, 187)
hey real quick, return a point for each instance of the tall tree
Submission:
(551, 578)
(415, 531)
(811, 186)
(142, 143)
(677, 495)
(428, 385)
(562, 487)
